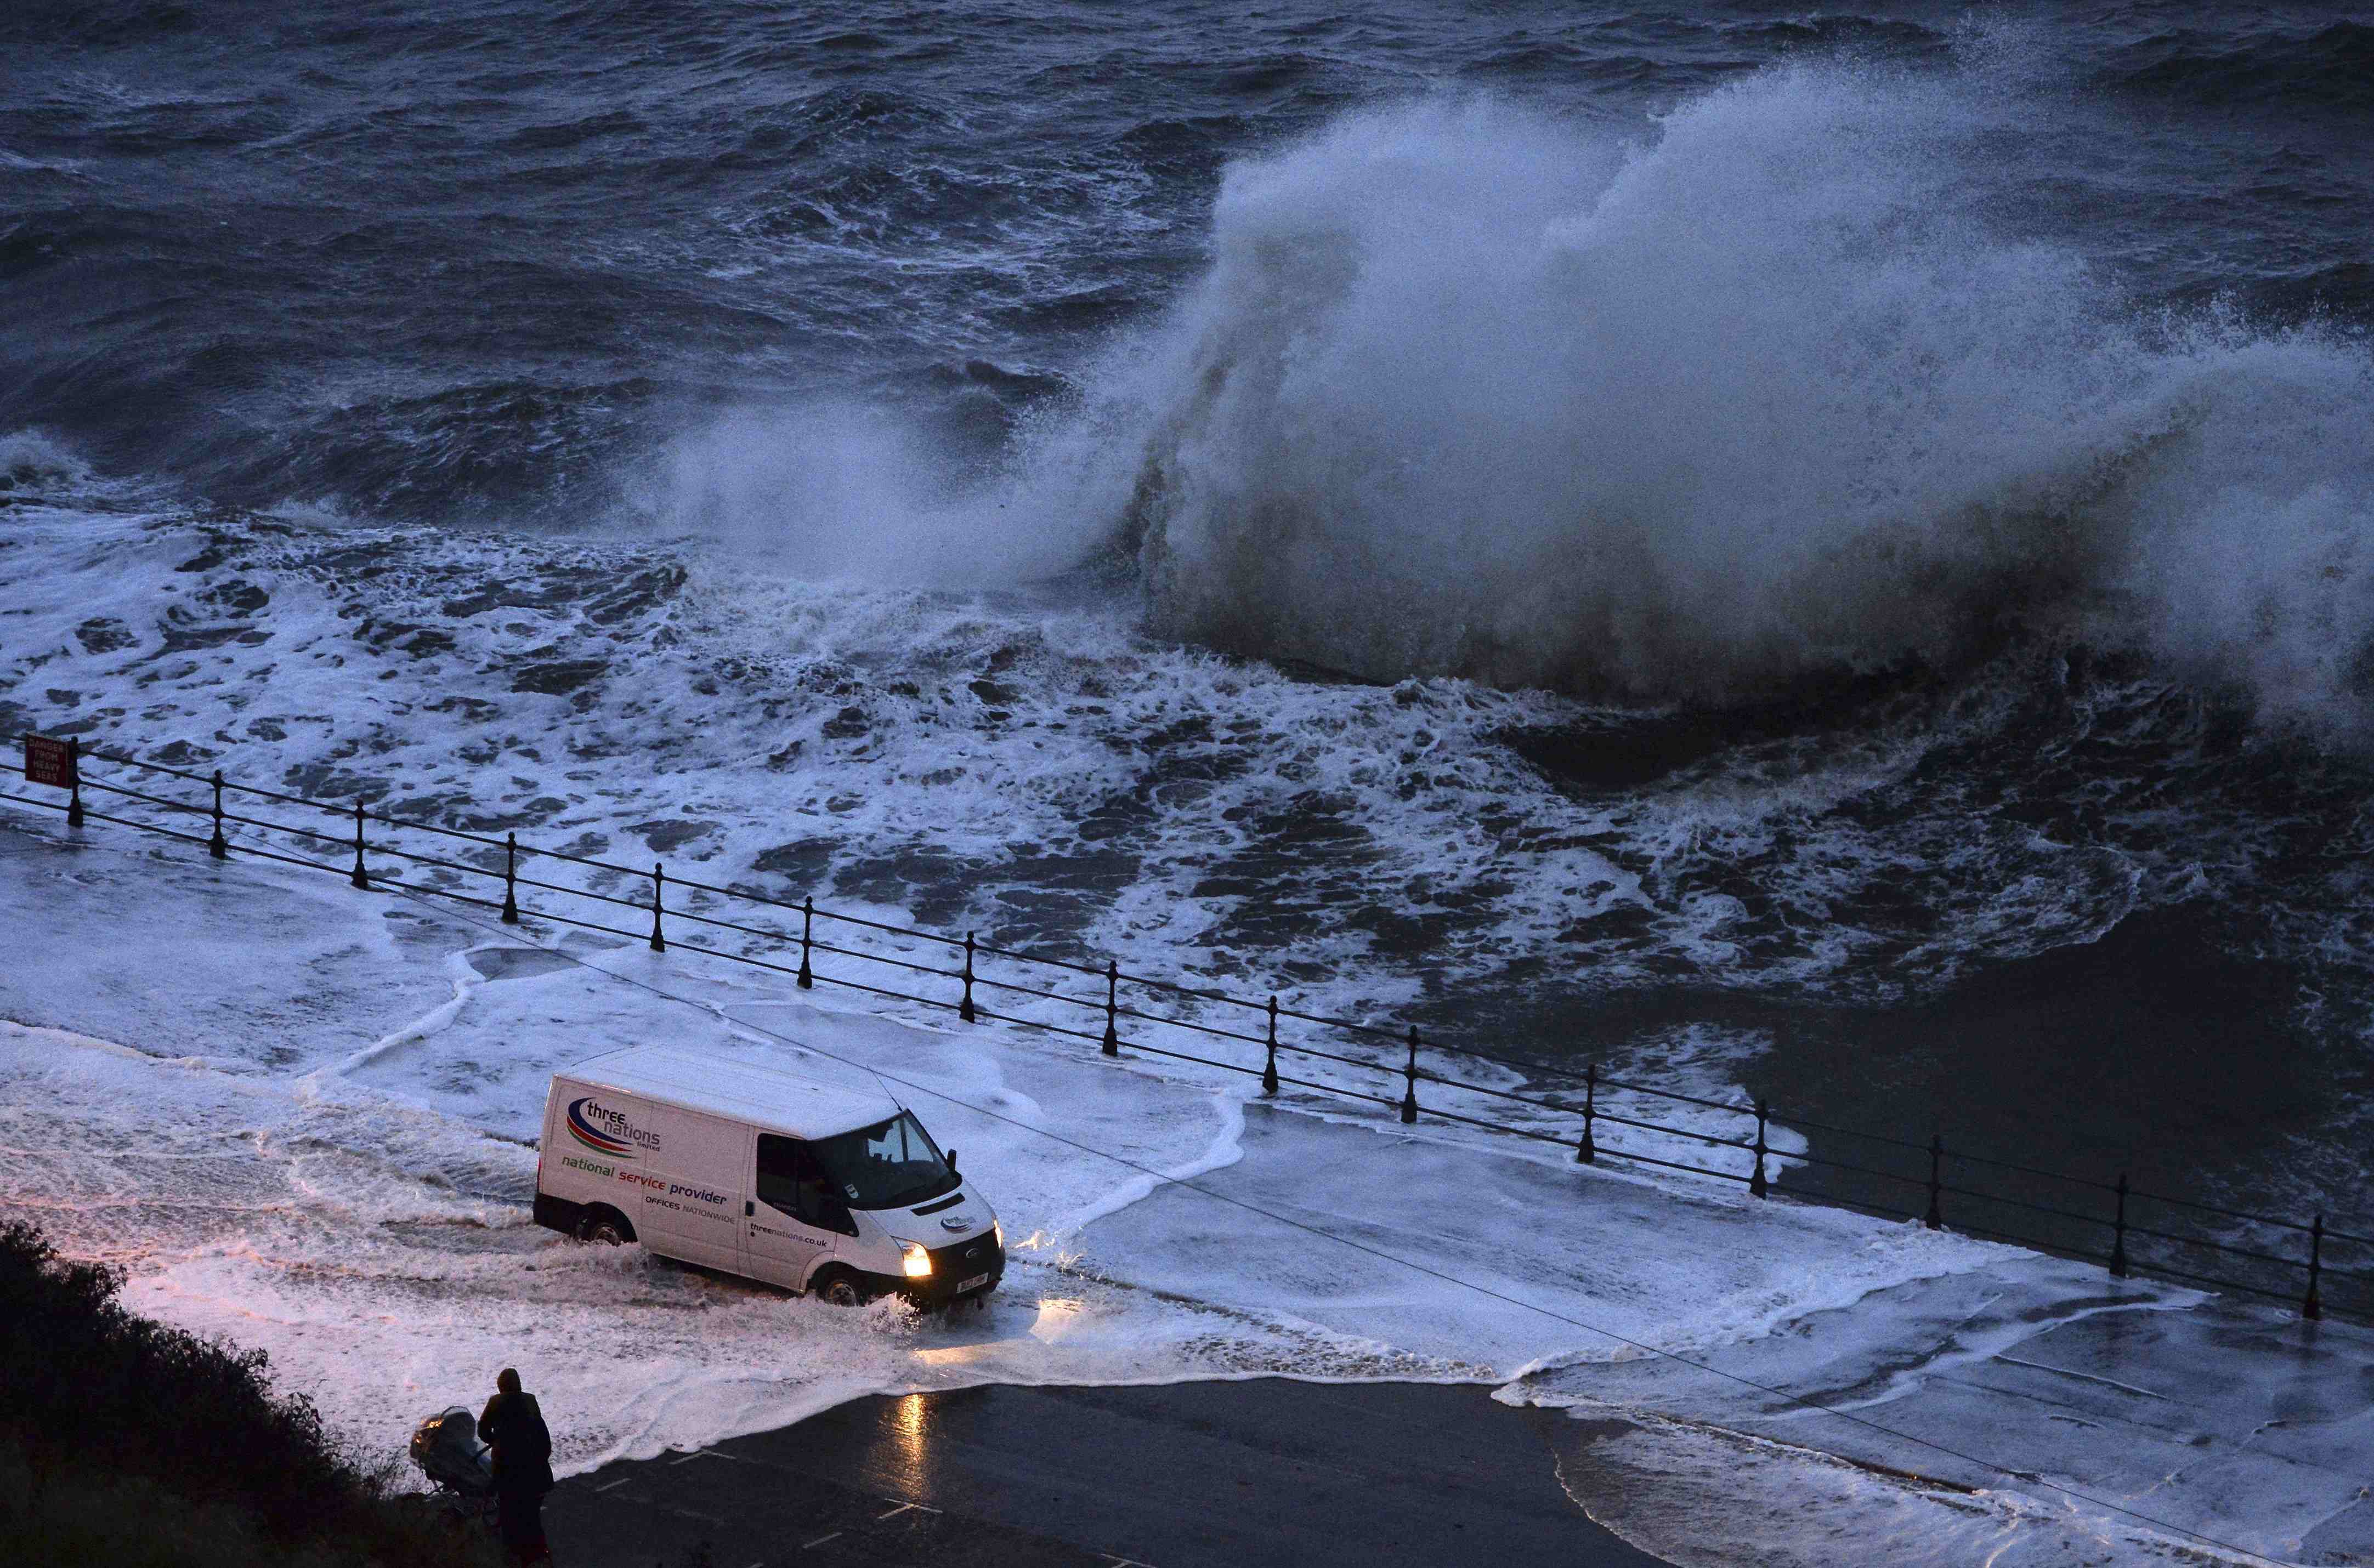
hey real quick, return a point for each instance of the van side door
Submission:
(793, 1220)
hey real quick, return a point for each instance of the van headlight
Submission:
(998, 1229)
(919, 1262)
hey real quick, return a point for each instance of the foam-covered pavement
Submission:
(301, 1116)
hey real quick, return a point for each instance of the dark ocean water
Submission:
(453, 259)
(1829, 551)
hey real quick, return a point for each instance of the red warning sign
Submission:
(50, 762)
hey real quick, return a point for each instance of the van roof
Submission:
(746, 1090)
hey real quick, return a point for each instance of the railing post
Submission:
(219, 847)
(1936, 1218)
(1587, 1151)
(1756, 1185)
(1409, 1078)
(659, 880)
(964, 1009)
(360, 878)
(511, 879)
(2313, 1308)
(74, 781)
(1269, 1067)
(2119, 1234)
(1113, 1007)
(807, 936)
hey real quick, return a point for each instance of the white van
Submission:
(768, 1175)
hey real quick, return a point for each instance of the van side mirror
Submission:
(951, 1157)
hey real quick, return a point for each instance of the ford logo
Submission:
(953, 1223)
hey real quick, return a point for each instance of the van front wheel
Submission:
(840, 1289)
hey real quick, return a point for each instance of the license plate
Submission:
(974, 1283)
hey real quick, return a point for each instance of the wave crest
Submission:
(1468, 392)
(34, 463)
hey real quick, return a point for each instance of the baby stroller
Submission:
(447, 1449)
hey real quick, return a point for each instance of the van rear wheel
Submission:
(603, 1229)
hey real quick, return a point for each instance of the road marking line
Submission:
(692, 1514)
(903, 1508)
(812, 1545)
(1123, 1561)
(613, 1486)
(695, 1453)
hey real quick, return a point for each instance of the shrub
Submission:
(99, 1404)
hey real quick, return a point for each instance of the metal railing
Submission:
(1596, 1115)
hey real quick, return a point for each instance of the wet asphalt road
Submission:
(1192, 1475)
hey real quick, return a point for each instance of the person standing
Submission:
(514, 1426)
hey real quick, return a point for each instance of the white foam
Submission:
(365, 1188)
(348, 1198)
(871, 742)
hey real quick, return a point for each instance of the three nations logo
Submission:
(594, 1138)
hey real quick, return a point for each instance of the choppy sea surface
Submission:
(1824, 552)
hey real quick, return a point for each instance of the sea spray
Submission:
(1469, 392)
(1778, 389)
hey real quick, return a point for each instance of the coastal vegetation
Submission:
(127, 1442)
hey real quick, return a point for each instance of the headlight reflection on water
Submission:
(910, 1431)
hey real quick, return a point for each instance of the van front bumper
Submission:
(977, 1258)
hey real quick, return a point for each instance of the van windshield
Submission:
(888, 1165)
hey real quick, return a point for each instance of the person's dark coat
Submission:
(514, 1426)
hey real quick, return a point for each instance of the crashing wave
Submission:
(1469, 391)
